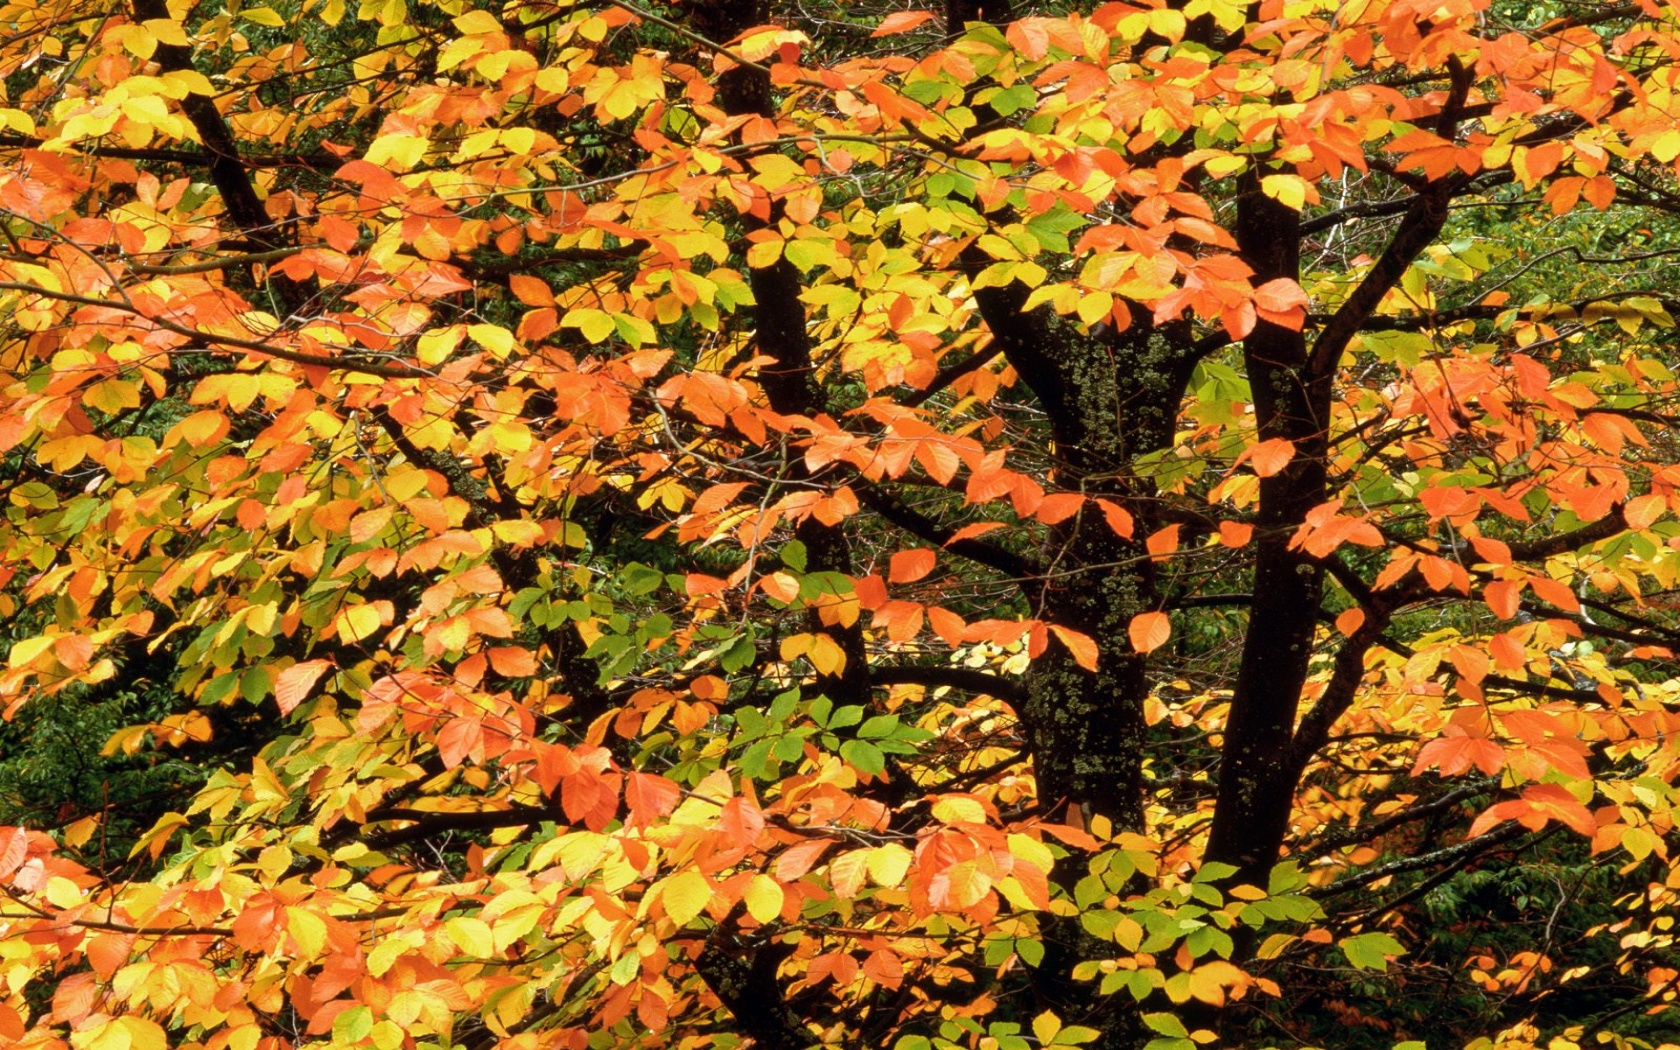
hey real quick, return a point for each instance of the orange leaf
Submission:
(1162, 542)
(901, 22)
(1119, 518)
(1059, 507)
(292, 685)
(968, 532)
(1269, 457)
(793, 864)
(780, 586)
(1084, 650)
(709, 687)
(512, 661)
(1456, 752)
(530, 290)
(1350, 621)
(1235, 533)
(1281, 302)
(946, 624)
(1149, 631)
(1600, 191)
(909, 566)
(650, 795)
(1503, 598)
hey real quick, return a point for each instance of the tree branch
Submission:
(923, 527)
(1457, 855)
(963, 678)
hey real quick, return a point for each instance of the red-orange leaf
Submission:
(911, 565)
(901, 22)
(291, 686)
(1149, 631)
(1084, 650)
(1268, 457)
(1119, 518)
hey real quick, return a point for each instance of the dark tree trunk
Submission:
(1256, 778)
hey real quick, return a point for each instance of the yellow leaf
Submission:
(763, 898)
(517, 533)
(188, 82)
(957, 809)
(494, 338)
(826, 655)
(144, 1034)
(62, 893)
(888, 864)
(1666, 146)
(477, 22)
(435, 346)
(1289, 190)
(307, 929)
(398, 150)
(471, 935)
(263, 16)
(357, 623)
(846, 873)
(166, 31)
(594, 324)
(273, 861)
(685, 895)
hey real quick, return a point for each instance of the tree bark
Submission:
(1292, 402)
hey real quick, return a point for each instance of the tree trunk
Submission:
(1256, 778)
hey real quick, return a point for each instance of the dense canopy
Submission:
(724, 523)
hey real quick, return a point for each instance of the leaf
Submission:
(1119, 518)
(763, 898)
(1084, 650)
(685, 895)
(1162, 541)
(14, 848)
(911, 565)
(1456, 753)
(1371, 951)
(358, 623)
(1291, 191)
(1268, 458)
(650, 796)
(1058, 507)
(291, 686)
(1149, 631)
(901, 22)
(888, 864)
(1282, 302)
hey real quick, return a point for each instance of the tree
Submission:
(1138, 525)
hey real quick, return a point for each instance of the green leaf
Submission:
(878, 726)
(865, 757)
(1009, 100)
(1030, 951)
(1213, 871)
(353, 1025)
(793, 555)
(1370, 951)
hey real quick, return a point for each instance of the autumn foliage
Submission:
(714, 523)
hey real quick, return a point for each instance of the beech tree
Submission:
(713, 524)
